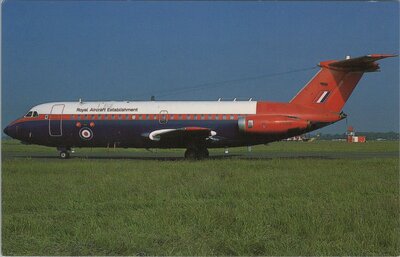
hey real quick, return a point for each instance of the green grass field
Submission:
(287, 198)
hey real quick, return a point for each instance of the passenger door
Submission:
(55, 120)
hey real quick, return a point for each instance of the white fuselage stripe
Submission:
(156, 107)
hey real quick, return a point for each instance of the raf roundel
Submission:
(86, 133)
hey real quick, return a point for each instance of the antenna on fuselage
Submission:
(80, 100)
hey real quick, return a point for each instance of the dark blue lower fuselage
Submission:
(128, 133)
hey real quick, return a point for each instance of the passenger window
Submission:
(216, 116)
(93, 117)
(171, 117)
(202, 117)
(86, 117)
(120, 117)
(224, 117)
(140, 117)
(232, 117)
(127, 117)
(133, 117)
(179, 116)
(113, 117)
(209, 116)
(99, 117)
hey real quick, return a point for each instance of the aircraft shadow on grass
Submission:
(173, 158)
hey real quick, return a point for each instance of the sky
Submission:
(124, 50)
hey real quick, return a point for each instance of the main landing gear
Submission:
(64, 152)
(196, 153)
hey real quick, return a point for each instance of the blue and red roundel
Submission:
(86, 133)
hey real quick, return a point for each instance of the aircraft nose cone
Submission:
(10, 131)
(6, 131)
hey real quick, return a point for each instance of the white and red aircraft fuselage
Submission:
(194, 125)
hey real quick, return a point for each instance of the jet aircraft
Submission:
(194, 125)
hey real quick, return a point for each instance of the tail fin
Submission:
(333, 84)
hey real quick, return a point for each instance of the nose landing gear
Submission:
(64, 155)
(64, 152)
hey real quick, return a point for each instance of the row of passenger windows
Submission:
(154, 117)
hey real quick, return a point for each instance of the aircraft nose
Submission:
(6, 130)
(10, 131)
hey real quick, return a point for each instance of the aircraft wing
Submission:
(182, 133)
(364, 63)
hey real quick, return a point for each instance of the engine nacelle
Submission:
(271, 124)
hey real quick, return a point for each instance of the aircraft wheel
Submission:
(203, 153)
(190, 154)
(64, 154)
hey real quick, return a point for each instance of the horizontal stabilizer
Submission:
(363, 63)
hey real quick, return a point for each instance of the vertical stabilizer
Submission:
(332, 86)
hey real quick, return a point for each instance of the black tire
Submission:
(64, 154)
(202, 153)
(196, 154)
(190, 154)
(206, 153)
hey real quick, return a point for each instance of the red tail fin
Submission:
(333, 84)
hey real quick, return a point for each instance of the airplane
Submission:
(195, 125)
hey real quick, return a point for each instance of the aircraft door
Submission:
(163, 119)
(55, 120)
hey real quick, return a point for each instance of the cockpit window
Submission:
(35, 114)
(29, 114)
